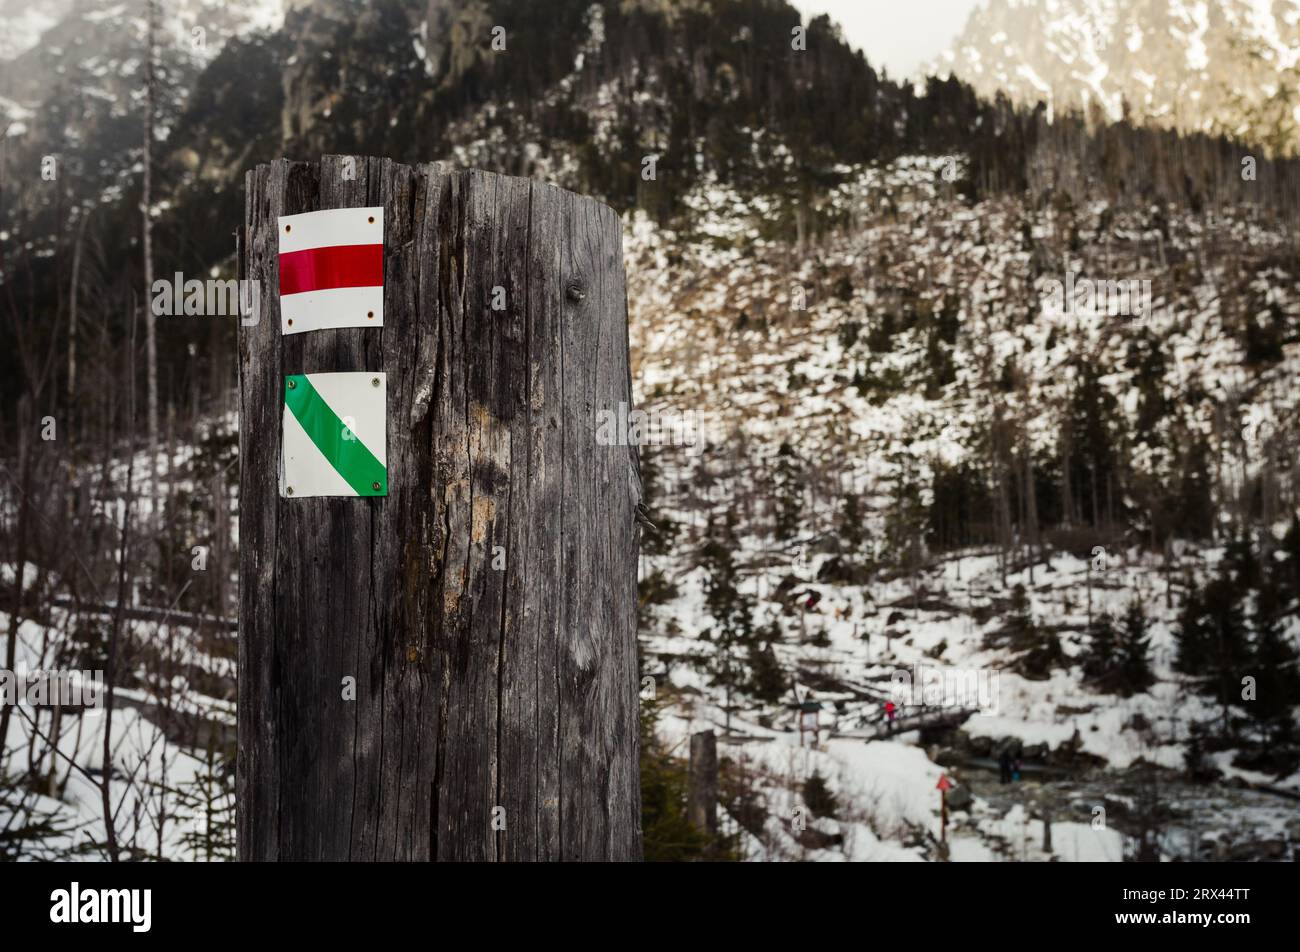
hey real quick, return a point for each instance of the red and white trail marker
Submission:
(943, 786)
(332, 269)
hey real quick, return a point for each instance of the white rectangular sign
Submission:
(332, 269)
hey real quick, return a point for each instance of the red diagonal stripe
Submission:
(340, 266)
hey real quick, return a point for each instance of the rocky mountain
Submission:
(1230, 66)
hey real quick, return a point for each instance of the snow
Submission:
(905, 230)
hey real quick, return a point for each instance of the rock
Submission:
(960, 798)
(1269, 850)
(814, 839)
(948, 757)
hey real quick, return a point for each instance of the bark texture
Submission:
(496, 707)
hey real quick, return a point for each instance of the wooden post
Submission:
(486, 607)
(702, 798)
(943, 787)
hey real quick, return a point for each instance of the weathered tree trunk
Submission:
(150, 319)
(495, 715)
(702, 798)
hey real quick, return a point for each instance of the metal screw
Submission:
(288, 490)
(291, 322)
(292, 384)
(288, 227)
(375, 486)
(372, 219)
(370, 313)
(374, 381)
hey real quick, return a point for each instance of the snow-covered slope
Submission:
(763, 345)
(1213, 65)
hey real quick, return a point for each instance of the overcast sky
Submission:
(900, 35)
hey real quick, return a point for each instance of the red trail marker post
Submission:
(943, 786)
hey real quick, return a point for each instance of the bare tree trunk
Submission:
(115, 635)
(20, 559)
(702, 798)
(150, 328)
(72, 309)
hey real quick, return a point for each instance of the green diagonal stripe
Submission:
(350, 457)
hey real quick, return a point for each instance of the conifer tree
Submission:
(818, 796)
(1277, 682)
(789, 488)
(209, 798)
(851, 527)
(1134, 650)
(767, 679)
(1211, 642)
(1040, 648)
(729, 608)
(1101, 660)
(1287, 568)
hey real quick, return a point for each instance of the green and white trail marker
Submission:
(335, 435)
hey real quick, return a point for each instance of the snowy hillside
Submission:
(718, 331)
(1214, 65)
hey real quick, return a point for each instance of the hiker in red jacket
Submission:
(890, 712)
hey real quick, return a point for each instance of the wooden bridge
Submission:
(925, 718)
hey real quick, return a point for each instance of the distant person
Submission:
(1015, 769)
(891, 711)
(1004, 765)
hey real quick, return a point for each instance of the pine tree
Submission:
(1194, 762)
(1020, 628)
(1211, 642)
(729, 608)
(1191, 639)
(906, 522)
(1277, 682)
(209, 800)
(1093, 433)
(1242, 564)
(767, 679)
(1101, 661)
(851, 527)
(1040, 648)
(1134, 654)
(789, 488)
(1287, 568)
(723, 600)
(818, 796)
(1195, 501)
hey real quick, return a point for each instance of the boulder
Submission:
(960, 798)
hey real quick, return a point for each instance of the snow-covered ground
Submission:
(748, 336)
